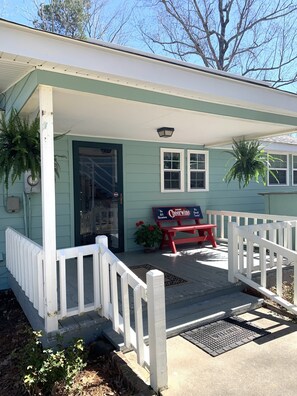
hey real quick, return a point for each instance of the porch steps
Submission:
(198, 311)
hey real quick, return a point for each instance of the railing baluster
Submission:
(262, 258)
(114, 296)
(249, 259)
(63, 289)
(222, 227)
(138, 325)
(126, 309)
(96, 280)
(80, 282)
(279, 275)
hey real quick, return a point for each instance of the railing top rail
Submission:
(265, 243)
(35, 244)
(269, 226)
(261, 216)
(69, 253)
(121, 268)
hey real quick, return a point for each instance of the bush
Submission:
(44, 369)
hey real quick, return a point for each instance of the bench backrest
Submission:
(177, 214)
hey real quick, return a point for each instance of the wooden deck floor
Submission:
(204, 269)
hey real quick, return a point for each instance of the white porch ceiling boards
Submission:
(90, 115)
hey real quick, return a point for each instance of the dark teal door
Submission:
(98, 193)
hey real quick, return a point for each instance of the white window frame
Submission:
(278, 169)
(293, 169)
(206, 170)
(181, 170)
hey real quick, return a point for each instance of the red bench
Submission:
(186, 219)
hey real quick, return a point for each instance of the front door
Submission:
(98, 193)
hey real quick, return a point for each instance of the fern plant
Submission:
(20, 148)
(251, 163)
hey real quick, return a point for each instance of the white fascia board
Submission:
(140, 71)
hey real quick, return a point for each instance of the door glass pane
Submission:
(99, 195)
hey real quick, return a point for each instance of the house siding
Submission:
(142, 191)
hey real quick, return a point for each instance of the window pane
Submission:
(280, 161)
(197, 161)
(171, 160)
(294, 161)
(280, 175)
(295, 177)
(197, 180)
(172, 181)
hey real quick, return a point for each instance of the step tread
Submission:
(196, 313)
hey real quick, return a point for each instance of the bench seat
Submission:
(176, 216)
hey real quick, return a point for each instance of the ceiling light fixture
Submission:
(165, 132)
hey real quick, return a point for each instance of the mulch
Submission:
(101, 377)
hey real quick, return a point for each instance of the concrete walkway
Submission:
(265, 367)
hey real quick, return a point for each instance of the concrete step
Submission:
(196, 312)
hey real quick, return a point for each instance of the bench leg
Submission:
(168, 241)
(211, 238)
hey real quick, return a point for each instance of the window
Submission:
(172, 170)
(197, 170)
(279, 166)
(294, 170)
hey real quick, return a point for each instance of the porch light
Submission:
(165, 132)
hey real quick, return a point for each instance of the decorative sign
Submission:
(171, 213)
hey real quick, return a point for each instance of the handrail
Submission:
(117, 283)
(242, 261)
(222, 217)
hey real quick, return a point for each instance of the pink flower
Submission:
(139, 223)
(151, 228)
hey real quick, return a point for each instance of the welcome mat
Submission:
(223, 335)
(170, 279)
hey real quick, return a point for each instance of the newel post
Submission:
(232, 251)
(157, 330)
(48, 198)
(102, 240)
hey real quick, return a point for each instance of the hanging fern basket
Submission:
(20, 148)
(251, 163)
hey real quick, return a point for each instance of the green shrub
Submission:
(44, 368)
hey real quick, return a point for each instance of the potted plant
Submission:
(251, 163)
(147, 235)
(20, 148)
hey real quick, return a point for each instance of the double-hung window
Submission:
(197, 170)
(279, 167)
(172, 170)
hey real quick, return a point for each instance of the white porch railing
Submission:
(122, 289)
(222, 218)
(263, 247)
(24, 260)
(117, 293)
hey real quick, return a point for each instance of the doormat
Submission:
(169, 279)
(222, 336)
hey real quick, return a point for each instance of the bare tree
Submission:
(109, 21)
(254, 38)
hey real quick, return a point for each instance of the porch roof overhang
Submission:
(113, 92)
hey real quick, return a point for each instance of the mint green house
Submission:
(115, 108)
(110, 101)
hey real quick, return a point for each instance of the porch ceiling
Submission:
(84, 114)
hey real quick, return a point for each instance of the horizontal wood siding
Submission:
(141, 171)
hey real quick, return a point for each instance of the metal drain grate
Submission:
(169, 279)
(223, 335)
